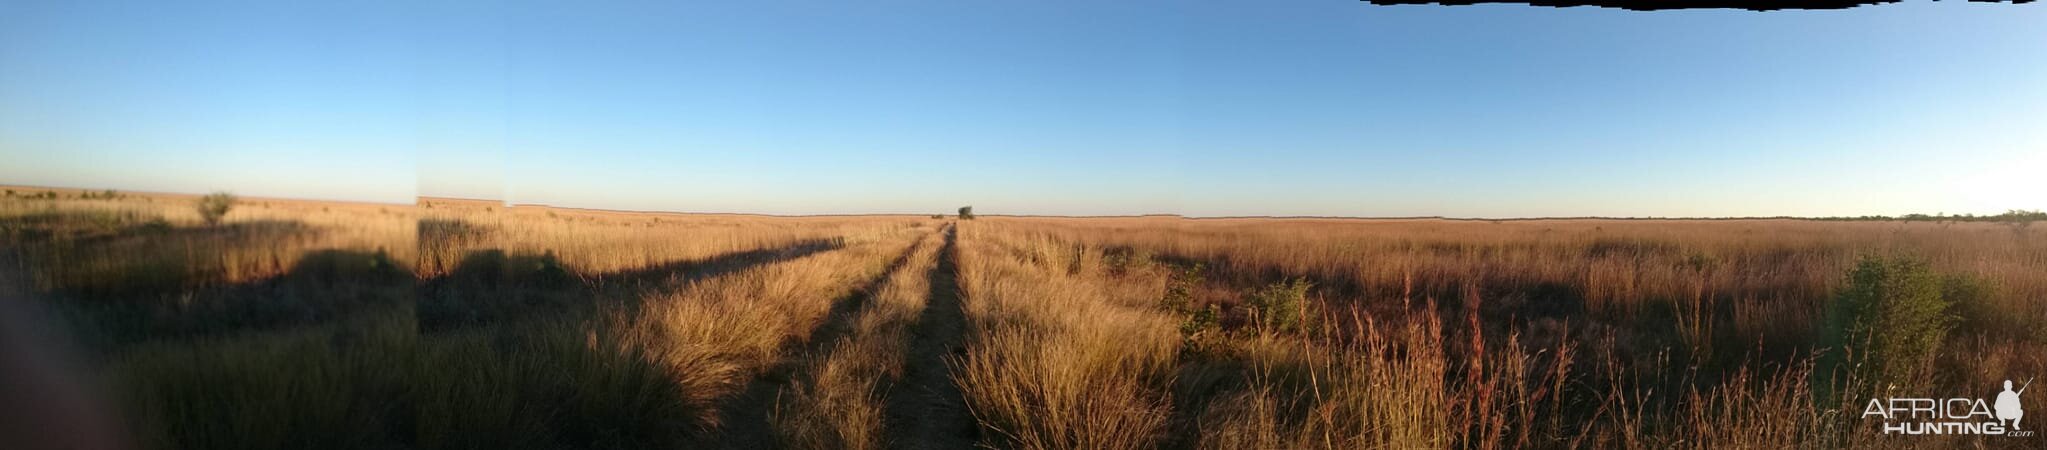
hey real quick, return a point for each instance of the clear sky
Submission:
(1201, 108)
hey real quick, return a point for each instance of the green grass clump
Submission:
(1889, 321)
(1280, 306)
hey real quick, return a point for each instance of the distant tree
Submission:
(2021, 219)
(214, 206)
(102, 195)
(967, 212)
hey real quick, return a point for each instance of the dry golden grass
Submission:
(173, 303)
(748, 317)
(1725, 282)
(466, 324)
(95, 242)
(1055, 360)
(1564, 333)
(1781, 257)
(288, 325)
(595, 243)
(840, 400)
(669, 367)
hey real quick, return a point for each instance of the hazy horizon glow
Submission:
(1067, 108)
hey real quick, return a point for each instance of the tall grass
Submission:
(654, 373)
(317, 325)
(156, 246)
(292, 324)
(340, 385)
(1613, 267)
(1054, 360)
(594, 243)
(840, 401)
(1706, 337)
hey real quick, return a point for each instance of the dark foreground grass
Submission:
(341, 385)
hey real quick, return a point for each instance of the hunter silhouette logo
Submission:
(2008, 408)
(1953, 415)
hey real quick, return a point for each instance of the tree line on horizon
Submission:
(2014, 216)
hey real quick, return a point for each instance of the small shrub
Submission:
(1180, 289)
(214, 206)
(1891, 318)
(1200, 323)
(1280, 306)
(1120, 261)
(967, 212)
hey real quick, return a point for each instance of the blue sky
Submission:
(1199, 108)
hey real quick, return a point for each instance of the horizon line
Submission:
(420, 199)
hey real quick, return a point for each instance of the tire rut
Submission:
(744, 421)
(926, 409)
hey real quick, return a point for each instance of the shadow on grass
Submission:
(123, 277)
(491, 286)
(744, 420)
(338, 385)
(72, 225)
(149, 263)
(549, 382)
(323, 286)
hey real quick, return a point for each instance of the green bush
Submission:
(1180, 285)
(967, 212)
(1200, 325)
(1888, 323)
(214, 206)
(1281, 306)
(1969, 298)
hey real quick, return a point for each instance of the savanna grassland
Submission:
(469, 324)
